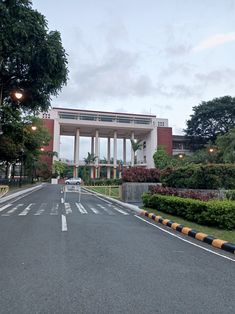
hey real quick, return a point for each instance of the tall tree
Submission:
(31, 57)
(136, 145)
(226, 146)
(210, 119)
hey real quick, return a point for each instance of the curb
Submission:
(130, 206)
(218, 243)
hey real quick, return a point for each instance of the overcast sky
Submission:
(145, 56)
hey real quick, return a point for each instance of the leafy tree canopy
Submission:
(210, 119)
(31, 57)
(226, 146)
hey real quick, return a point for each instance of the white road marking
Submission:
(54, 210)
(41, 209)
(106, 209)
(81, 208)
(26, 210)
(64, 223)
(4, 207)
(11, 211)
(103, 199)
(62, 200)
(119, 210)
(94, 210)
(176, 236)
(68, 209)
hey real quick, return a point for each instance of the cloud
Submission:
(114, 75)
(217, 76)
(177, 50)
(215, 40)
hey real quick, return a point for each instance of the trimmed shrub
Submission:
(104, 182)
(186, 194)
(139, 174)
(197, 176)
(230, 195)
(212, 213)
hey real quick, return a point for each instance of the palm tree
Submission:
(136, 145)
(90, 159)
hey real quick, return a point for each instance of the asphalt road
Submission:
(99, 257)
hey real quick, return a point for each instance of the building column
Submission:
(115, 155)
(56, 139)
(76, 152)
(97, 153)
(132, 152)
(124, 152)
(92, 168)
(108, 159)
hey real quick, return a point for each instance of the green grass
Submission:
(227, 235)
(111, 191)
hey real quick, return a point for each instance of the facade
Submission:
(151, 130)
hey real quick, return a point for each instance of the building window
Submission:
(160, 123)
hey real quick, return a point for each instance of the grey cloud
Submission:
(177, 50)
(114, 76)
(224, 75)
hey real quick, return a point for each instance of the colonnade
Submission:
(94, 172)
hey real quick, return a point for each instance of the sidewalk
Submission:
(14, 192)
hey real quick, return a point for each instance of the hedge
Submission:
(211, 176)
(139, 174)
(212, 213)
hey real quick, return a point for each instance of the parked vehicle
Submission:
(73, 181)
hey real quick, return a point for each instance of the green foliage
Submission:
(90, 159)
(211, 176)
(226, 146)
(136, 145)
(58, 168)
(211, 213)
(161, 158)
(104, 182)
(210, 119)
(31, 58)
(230, 195)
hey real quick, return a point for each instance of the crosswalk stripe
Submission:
(81, 208)
(106, 209)
(4, 207)
(11, 211)
(119, 210)
(94, 210)
(41, 209)
(54, 210)
(68, 209)
(26, 210)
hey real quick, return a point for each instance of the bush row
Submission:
(212, 213)
(212, 176)
(104, 182)
(139, 174)
(186, 194)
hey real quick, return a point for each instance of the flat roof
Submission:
(104, 112)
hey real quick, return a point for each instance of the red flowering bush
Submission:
(186, 194)
(139, 174)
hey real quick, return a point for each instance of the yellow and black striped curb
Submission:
(221, 244)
